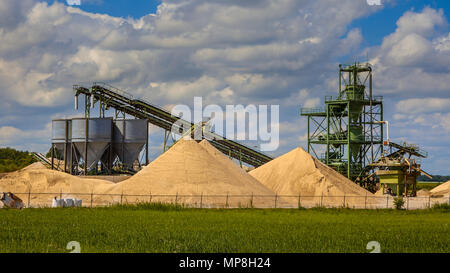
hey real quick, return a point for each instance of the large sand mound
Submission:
(441, 190)
(192, 172)
(39, 179)
(35, 166)
(297, 173)
(423, 193)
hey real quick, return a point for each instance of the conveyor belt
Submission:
(139, 108)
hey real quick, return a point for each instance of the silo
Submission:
(91, 138)
(60, 133)
(61, 138)
(130, 136)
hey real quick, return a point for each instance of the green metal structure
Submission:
(398, 170)
(347, 134)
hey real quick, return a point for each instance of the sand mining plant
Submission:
(108, 145)
(347, 135)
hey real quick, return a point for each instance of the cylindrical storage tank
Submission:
(61, 133)
(130, 136)
(91, 137)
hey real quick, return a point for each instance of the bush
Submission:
(399, 203)
(150, 206)
(443, 206)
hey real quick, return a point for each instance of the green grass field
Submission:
(170, 229)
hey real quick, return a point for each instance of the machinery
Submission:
(398, 170)
(110, 145)
(348, 130)
(108, 97)
(98, 145)
(10, 200)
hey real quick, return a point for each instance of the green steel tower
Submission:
(347, 134)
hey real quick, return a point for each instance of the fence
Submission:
(35, 200)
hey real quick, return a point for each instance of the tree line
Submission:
(436, 178)
(12, 160)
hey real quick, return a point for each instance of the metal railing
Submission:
(330, 98)
(40, 200)
(304, 111)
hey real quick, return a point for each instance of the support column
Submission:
(308, 133)
(146, 147)
(53, 156)
(86, 146)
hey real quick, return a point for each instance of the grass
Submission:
(170, 229)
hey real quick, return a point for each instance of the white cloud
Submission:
(230, 52)
(414, 59)
(312, 103)
(423, 105)
(12, 135)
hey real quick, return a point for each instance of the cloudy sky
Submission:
(283, 52)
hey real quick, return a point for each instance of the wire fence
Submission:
(40, 200)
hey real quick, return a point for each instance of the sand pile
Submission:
(298, 173)
(35, 166)
(193, 171)
(423, 193)
(39, 179)
(441, 190)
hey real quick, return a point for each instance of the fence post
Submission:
(365, 202)
(121, 198)
(176, 199)
(150, 197)
(60, 194)
(92, 198)
(29, 195)
(299, 202)
(201, 200)
(226, 201)
(251, 201)
(276, 197)
(344, 201)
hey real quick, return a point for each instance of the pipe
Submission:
(92, 101)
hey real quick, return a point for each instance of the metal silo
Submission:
(91, 138)
(60, 133)
(130, 136)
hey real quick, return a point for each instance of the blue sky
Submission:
(119, 8)
(229, 52)
(374, 27)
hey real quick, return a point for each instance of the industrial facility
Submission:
(98, 145)
(346, 135)
(350, 130)
(110, 145)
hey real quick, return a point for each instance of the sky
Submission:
(282, 52)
